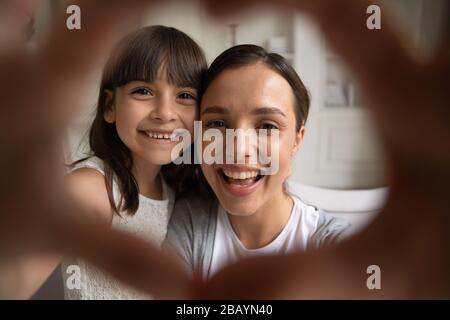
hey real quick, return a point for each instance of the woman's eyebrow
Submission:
(258, 111)
(268, 110)
(215, 109)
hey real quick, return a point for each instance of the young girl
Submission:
(248, 88)
(148, 90)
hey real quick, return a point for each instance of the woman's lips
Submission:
(239, 181)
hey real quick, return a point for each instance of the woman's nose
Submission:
(244, 148)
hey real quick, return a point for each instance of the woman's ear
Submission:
(298, 140)
(110, 109)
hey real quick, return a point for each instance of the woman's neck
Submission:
(263, 226)
(147, 178)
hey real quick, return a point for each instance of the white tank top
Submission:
(149, 223)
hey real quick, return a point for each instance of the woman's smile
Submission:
(238, 180)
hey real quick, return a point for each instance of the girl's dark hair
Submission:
(247, 54)
(138, 57)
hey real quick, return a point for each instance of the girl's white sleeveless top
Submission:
(149, 223)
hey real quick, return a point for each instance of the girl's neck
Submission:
(263, 226)
(147, 178)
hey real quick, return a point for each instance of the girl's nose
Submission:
(163, 111)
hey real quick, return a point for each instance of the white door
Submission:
(340, 149)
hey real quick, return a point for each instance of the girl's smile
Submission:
(147, 114)
(158, 136)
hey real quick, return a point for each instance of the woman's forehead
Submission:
(250, 86)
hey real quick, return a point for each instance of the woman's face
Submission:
(146, 115)
(250, 97)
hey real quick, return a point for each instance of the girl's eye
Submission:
(142, 91)
(215, 124)
(186, 96)
(268, 126)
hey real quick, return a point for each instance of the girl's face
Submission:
(146, 114)
(250, 97)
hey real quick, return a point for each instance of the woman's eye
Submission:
(186, 96)
(142, 91)
(268, 126)
(215, 124)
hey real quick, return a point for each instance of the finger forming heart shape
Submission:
(407, 96)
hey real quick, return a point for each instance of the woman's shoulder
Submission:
(324, 228)
(195, 209)
(191, 228)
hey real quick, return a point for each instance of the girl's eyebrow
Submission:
(187, 88)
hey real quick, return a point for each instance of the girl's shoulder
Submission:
(85, 182)
(92, 162)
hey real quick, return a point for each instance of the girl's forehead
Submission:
(157, 82)
(133, 65)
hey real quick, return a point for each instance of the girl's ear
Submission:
(110, 110)
(298, 140)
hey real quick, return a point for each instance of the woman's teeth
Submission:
(243, 175)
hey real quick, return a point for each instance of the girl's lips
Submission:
(158, 137)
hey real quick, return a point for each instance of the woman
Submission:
(249, 213)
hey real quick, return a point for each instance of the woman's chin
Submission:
(241, 210)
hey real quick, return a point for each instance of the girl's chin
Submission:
(155, 159)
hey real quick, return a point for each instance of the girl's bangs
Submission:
(142, 55)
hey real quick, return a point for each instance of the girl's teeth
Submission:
(240, 175)
(159, 135)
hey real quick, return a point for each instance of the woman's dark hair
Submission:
(139, 57)
(247, 54)
(244, 55)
